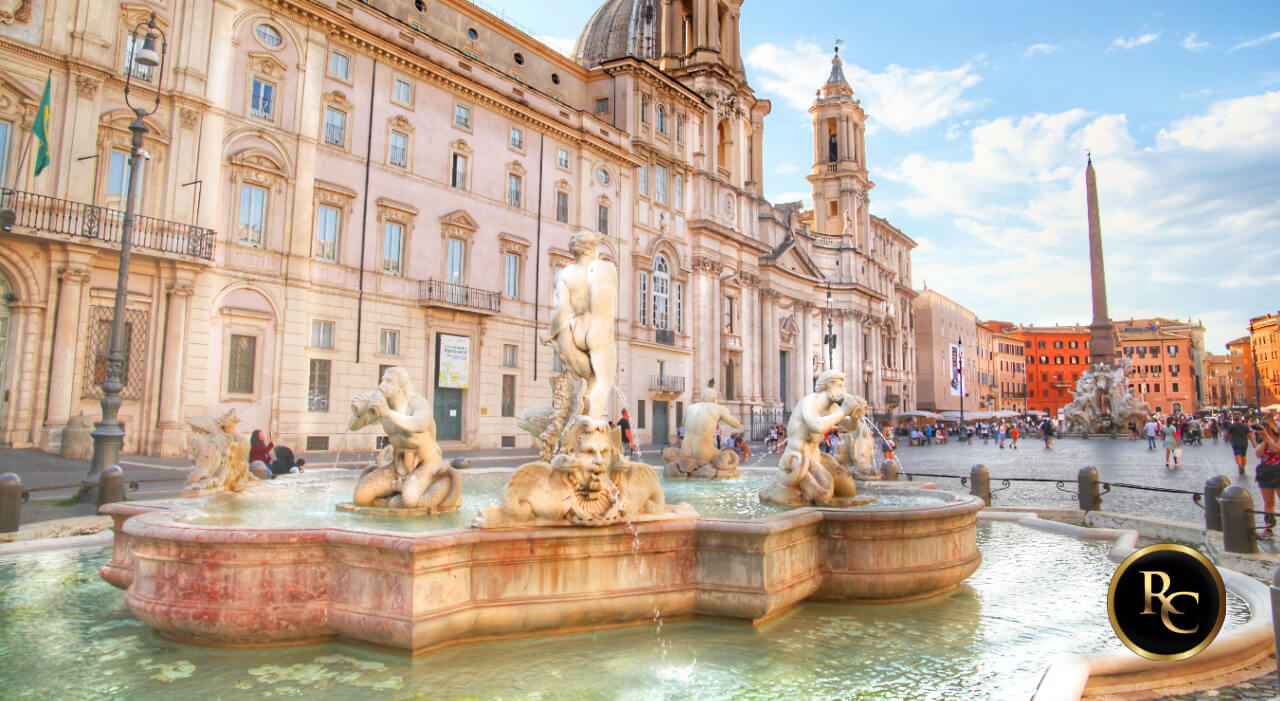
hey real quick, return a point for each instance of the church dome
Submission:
(619, 28)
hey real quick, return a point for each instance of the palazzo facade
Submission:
(333, 187)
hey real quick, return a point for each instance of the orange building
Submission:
(1264, 341)
(1055, 357)
(1219, 371)
(1162, 370)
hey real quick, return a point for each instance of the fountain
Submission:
(582, 538)
(219, 456)
(698, 457)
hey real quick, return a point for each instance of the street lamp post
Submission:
(108, 436)
(829, 340)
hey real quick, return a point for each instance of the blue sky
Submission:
(979, 119)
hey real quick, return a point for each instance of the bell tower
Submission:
(839, 177)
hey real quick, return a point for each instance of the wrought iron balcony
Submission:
(666, 337)
(57, 216)
(666, 383)
(434, 293)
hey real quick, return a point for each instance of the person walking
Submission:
(1267, 473)
(628, 439)
(1238, 437)
(1151, 427)
(1046, 431)
(1013, 436)
(1171, 442)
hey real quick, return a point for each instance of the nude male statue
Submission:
(582, 321)
(410, 472)
(701, 420)
(805, 474)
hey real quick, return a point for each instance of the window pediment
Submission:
(516, 167)
(458, 221)
(400, 123)
(386, 203)
(266, 64)
(333, 194)
(513, 244)
(338, 98)
(460, 146)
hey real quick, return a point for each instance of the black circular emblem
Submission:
(1167, 602)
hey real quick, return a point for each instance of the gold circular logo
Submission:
(1167, 602)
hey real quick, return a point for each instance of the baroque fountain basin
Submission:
(417, 592)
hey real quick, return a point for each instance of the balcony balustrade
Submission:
(666, 383)
(45, 214)
(731, 341)
(438, 293)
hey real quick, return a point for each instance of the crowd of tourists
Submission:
(1003, 433)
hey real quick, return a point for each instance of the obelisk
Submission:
(1102, 335)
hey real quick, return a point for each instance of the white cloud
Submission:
(1190, 43)
(1252, 43)
(1203, 92)
(1123, 43)
(899, 99)
(1039, 49)
(1189, 223)
(561, 44)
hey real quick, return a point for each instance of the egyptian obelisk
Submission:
(1102, 335)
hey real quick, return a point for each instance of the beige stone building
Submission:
(1218, 372)
(940, 322)
(333, 187)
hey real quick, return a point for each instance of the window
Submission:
(262, 103)
(335, 127)
(253, 214)
(509, 355)
(389, 342)
(513, 189)
(508, 395)
(644, 109)
(679, 307)
(5, 129)
(240, 361)
(562, 207)
(339, 65)
(644, 299)
(602, 219)
(642, 179)
(399, 153)
(511, 281)
(1057, 344)
(1074, 344)
(402, 92)
(660, 183)
(679, 191)
(661, 283)
(728, 315)
(517, 139)
(1175, 387)
(268, 35)
(392, 247)
(318, 385)
(455, 272)
(1173, 351)
(1057, 360)
(458, 171)
(462, 116)
(679, 128)
(640, 414)
(322, 334)
(602, 105)
(1042, 344)
(137, 70)
(118, 175)
(662, 120)
(562, 158)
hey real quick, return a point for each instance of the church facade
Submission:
(335, 187)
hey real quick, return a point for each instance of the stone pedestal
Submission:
(77, 439)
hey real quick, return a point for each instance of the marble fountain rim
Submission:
(157, 519)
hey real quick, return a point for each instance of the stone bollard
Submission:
(980, 483)
(1212, 490)
(1275, 606)
(1237, 523)
(890, 470)
(10, 502)
(1089, 489)
(111, 485)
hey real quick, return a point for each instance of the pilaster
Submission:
(66, 340)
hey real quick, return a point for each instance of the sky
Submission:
(979, 120)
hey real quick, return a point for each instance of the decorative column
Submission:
(769, 345)
(750, 330)
(66, 339)
(22, 425)
(805, 364)
(717, 326)
(172, 434)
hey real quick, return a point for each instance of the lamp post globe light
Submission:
(108, 436)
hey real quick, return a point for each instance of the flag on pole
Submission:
(42, 127)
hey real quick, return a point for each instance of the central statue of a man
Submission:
(582, 319)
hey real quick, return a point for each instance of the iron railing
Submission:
(54, 215)
(666, 383)
(441, 292)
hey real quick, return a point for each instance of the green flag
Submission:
(42, 127)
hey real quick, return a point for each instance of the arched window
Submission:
(661, 298)
(662, 119)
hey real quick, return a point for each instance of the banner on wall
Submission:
(454, 365)
(957, 370)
